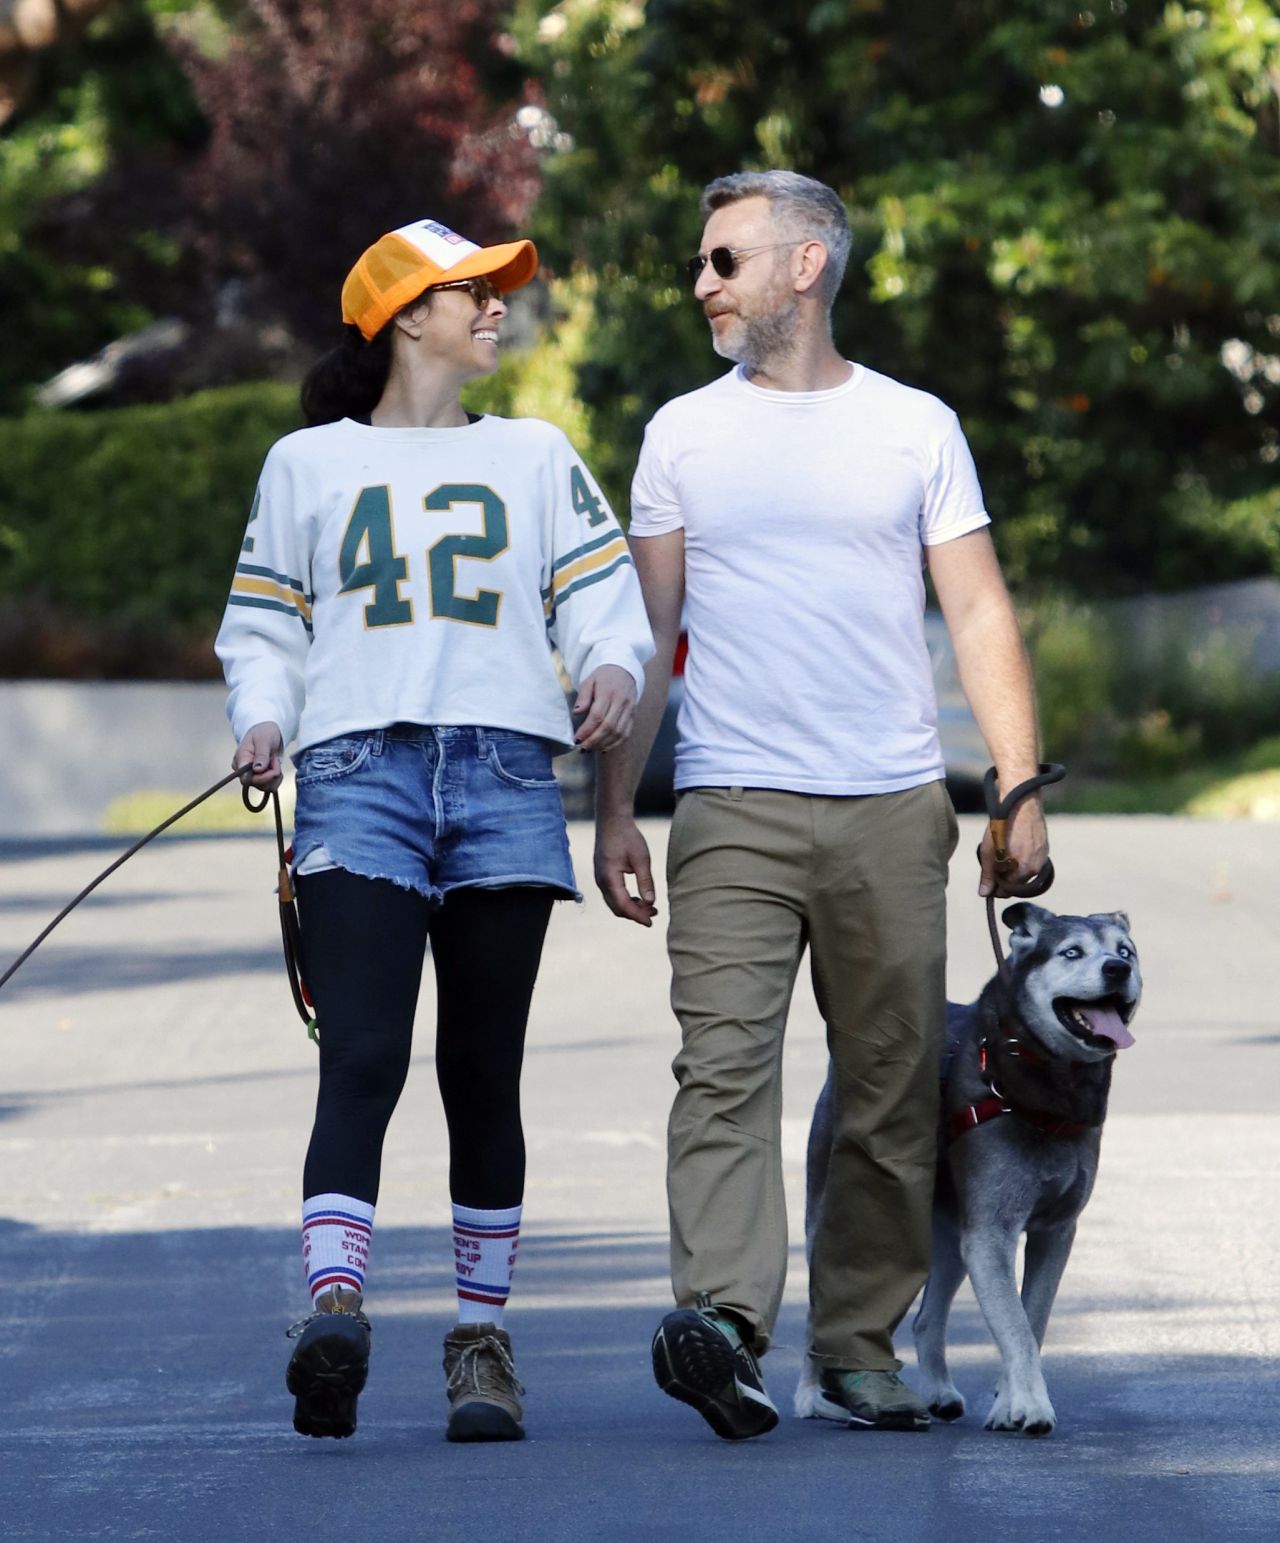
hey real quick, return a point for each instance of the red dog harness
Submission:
(985, 1109)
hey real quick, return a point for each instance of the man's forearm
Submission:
(995, 674)
(618, 773)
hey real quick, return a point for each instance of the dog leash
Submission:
(289, 927)
(999, 813)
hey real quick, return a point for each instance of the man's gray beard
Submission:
(756, 341)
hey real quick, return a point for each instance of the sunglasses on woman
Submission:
(724, 259)
(482, 290)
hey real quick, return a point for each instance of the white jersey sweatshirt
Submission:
(417, 575)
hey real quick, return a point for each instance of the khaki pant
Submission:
(755, 875)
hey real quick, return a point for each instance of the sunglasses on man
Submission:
(724, 259)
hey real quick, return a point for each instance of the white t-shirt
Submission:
(421, 575)
(805, 515)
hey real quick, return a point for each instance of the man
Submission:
(788, 508)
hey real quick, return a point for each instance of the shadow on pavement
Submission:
(21, 1101)
(144, 1398)
(65, 972)
(51, 902)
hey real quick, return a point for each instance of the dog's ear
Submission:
(1025, 922)
(1116, 918)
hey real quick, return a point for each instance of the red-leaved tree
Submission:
(332, 123)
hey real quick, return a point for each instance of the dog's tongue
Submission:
(1106, 1023)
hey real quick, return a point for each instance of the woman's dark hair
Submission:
(349, 380)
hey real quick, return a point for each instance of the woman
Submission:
(405, 570)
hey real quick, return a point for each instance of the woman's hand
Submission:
(261, 748)
(607, 706)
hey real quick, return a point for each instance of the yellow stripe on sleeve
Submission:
(593, 560)
(244, 585)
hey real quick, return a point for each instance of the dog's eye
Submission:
(1125, 951)
(1072, 953)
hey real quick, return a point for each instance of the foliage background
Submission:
(1065, 224)
(1063, 215)
(221, 160)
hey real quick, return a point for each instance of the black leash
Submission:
(999, 813)
(290, 927)
(290, 933)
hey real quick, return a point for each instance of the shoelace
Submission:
(295, 1329)
(892, 1378)
(470, 1364)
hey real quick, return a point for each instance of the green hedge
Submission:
(119, 529)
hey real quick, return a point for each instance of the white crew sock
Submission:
(336, 1230)
(484, 1251)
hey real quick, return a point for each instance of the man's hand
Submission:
(261, 748)
(622, 850)
(606, 704)
(1028, 845)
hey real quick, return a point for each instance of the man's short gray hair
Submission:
(802, 206)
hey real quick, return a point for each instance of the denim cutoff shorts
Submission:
(434, 809)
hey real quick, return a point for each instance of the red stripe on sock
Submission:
(336, 1278)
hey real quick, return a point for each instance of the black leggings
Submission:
(363, 942)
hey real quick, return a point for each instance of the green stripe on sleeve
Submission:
(254, 570)
(587, 580)
(581, 551)
(256, 603)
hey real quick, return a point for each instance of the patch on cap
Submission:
(437, 243)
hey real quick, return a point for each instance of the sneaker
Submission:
(875, 1400)
(699, 1357)
(484, 1392)
(329, 1365)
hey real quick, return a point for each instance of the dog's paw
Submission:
(942, 1396)
(946, 1403)
(1031, 1414)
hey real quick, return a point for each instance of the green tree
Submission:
(186, 153)
(1066, 222)
(330, 124)
(81, 260)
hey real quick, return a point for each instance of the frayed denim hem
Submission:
(514, 880)
(429, 892)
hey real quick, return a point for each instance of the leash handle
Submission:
(1002, 808)
(999, 812)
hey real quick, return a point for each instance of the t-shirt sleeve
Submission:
(266, 629)
(595, 610)
(952, 498)
(655, 508)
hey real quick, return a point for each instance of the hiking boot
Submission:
(329, 1365)
(699, 1357)
(874, 1400)
(484, 1392)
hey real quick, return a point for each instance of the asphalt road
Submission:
(155, 1104)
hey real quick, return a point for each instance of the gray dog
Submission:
(1025, 1080)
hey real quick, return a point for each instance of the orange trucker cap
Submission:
(404, 262)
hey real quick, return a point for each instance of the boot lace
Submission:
(484, 1366)
(295, 1330)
